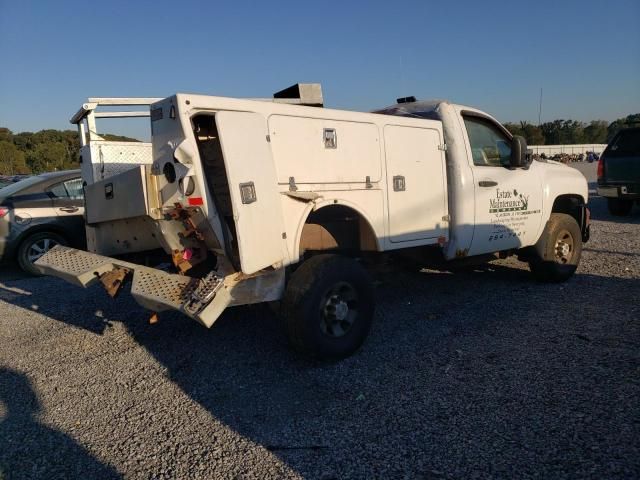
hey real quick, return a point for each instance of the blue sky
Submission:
(495, 55)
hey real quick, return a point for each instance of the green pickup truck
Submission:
(619, 172)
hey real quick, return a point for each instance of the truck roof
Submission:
(421, 108)
(425, 109)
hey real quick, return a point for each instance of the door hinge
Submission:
(268, 138)
(446, 218)
(443, 147)
(292, 184)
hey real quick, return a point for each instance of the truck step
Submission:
(75, 266)
(158, 290)
(203, 300)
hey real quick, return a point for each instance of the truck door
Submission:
(255, 200)
(508, 202)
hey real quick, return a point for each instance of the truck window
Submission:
(489, 146)
(626, 143)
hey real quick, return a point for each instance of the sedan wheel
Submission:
(39, 248)
(34, 247)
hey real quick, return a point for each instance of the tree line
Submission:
(49, 150)
(567, 132)
(43, 151)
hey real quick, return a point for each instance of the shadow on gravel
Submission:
(611, 252)
(10, 271)
(32, 450)
(468, 369)
(56, 299)
(484, 373)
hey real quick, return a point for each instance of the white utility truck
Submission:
(264, 200)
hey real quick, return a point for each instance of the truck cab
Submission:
(260, 200)
(500, 198)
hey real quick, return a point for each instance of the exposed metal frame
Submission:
(87, 113)
(309, 94)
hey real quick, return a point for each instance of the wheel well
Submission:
(571, 205)
(337, 228)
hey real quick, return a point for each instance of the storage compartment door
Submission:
(416, 183)
(253, 185)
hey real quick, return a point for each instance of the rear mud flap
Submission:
(153, 289)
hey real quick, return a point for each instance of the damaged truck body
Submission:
(262, 200)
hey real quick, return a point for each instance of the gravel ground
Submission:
(474, 375)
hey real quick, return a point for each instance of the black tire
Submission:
(28, 249)
(557, 253)
(328, 307)
(619, 207)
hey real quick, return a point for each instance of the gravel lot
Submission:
(474, 375)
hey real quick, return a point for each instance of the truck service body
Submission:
(260, 191)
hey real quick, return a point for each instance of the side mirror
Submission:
(519, 152)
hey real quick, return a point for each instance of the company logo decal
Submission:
(508, 201)
(510, 214)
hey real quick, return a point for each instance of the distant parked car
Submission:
(619, 171)
(6, 180)
(38, 213)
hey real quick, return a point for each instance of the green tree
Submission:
(572, 132)
(532, 133)
(619, 124)
(24, 141)
(47, 157)
(596, 132)
(563, 132)
(514, 128)
(12, 160)
(6, 135)
(552, 132)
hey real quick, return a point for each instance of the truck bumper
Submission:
(627, 192)
(204, 300)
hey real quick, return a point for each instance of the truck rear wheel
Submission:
(558, 251)
(619, 207)
(328, 307)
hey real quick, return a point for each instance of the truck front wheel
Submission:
(557, 253)
(619, 207)
(328, 307)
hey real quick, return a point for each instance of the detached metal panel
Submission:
(257, 210)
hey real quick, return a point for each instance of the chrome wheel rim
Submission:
(338, 310)
(39, 248)
(564, 247)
